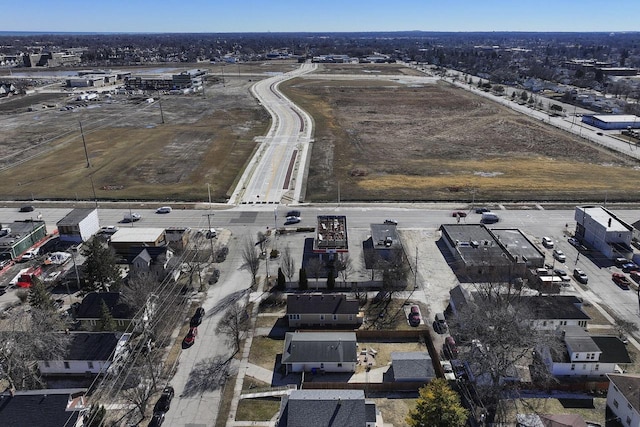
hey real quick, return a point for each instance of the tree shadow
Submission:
(207, 375)
(225, 302)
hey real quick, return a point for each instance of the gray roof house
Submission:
(623, 398)
(322, 408)
(87, 353)
(412, 366)
(323, 310)
(50, 407)
(320, 352)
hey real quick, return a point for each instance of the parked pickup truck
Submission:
(621, 280)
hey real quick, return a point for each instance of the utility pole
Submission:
(209, 192)
(93, 187)
(86, 153)
(209, 215)
(161, 113)
(415, 272)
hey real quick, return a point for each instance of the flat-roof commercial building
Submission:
(482, 254)
(123, 240)
(604, 231)
(612, 121)
(331, 235)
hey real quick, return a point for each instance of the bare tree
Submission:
(139, 396)
(233, 325)
(344, 265)
(395, 270)
(287, 263)
(263, 242)
(499, 330)
(137, 291)
(251, 259)
(314, 267)
(27, 338)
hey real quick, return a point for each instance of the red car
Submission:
(621, 280)
(190, 338)
(459, 214)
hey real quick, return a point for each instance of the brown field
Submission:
(133, 155)
(373, 69)
(376, 139)
(383, 140)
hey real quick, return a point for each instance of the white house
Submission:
(320, 352)
(623, 398)
(78, 225)
(605, 232)
(584, 355)
(87, 353)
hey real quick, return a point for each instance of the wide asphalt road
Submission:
(277, 168)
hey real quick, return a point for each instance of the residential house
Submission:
(49, 407)
(412, 366)
(320, 352)
(150, 261)
(78, 225)
(90, 311)
(547, 312)
(309, 310)
(550, 420)
(551, 311)
(584, 355)
(87, 353)
(623, 398)
(322, 408)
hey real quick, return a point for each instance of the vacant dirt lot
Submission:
(385, 140)
(205, 138)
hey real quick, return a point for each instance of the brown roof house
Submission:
(308, 310)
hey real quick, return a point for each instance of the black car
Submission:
(196, 320)
(164, 403)
(27, 208)
(292, 220)
(294, 213)
(482, 210)
(157, 419)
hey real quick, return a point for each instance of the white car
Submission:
(559, 255)
(30, 254)
(109, 229)
(448, 370)
(132, 217)
(547, 242)
(163, 210)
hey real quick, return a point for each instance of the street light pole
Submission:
(209, 215)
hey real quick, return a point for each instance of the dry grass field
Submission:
(375, 138)
(385, 140)
(204, 139)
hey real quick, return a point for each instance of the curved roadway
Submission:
(276, 172)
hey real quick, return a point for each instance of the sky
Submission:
(239, 16)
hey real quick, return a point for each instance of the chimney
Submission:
(609, 223)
